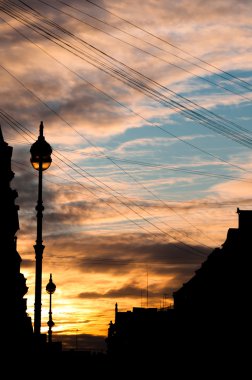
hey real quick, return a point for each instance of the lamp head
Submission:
(50, 287)
(41, 152)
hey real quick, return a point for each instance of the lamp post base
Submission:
(40, 343)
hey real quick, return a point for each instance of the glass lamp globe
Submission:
(41, 152)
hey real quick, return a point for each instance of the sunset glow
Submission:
(147, 107)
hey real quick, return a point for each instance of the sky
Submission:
(147, 107)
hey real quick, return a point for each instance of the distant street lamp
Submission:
(50, 288)
(41, 160)
(76, 339)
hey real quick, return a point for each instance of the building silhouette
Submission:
(212, 308)
(17, 332)
(140, 333)
(209, 321)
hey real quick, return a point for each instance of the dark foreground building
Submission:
(212, 308)
(17, 330)
(210, 320)
(140, 333)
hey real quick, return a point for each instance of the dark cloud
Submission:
(122, 255)
(26, 263)
(123, 252)
(180, 274)
(127, 250)
(81, 342)
(126, 291)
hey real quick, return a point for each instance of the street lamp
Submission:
(50, 288)
(41, 160)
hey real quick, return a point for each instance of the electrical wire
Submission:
(147, 86)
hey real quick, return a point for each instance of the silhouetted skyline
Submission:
(203, 314)
(144, 181)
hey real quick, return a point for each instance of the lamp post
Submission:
(50, 288)
(41, 160)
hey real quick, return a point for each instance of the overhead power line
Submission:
(228, 76)
(211, 82)
(128, 203)
(124, 171)
(114, 100)
(138, 81)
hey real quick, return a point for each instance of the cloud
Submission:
(71, 97)
(127, 291)
(108, 220)
(82, 342)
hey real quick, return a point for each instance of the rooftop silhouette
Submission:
(209, 319)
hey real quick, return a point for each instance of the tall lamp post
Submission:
(41, 160)
(50, 288)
